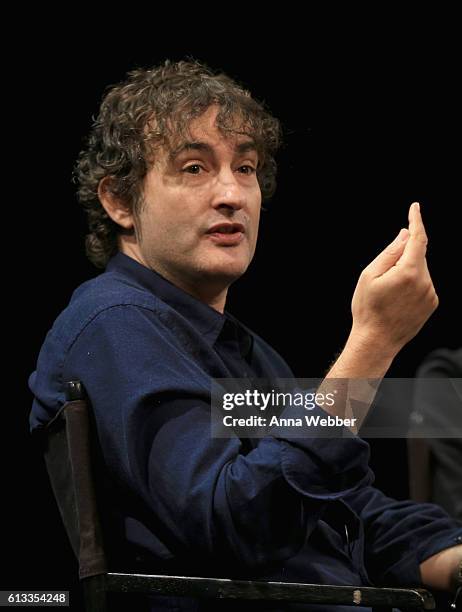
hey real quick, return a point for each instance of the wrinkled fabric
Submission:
(182, 502)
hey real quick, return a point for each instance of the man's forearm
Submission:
(362, 358)
(355, 376)
(443, 570)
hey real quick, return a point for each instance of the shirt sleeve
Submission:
(213, 496)
(399, 535)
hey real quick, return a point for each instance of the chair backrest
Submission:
(70, 446)
(69, 452)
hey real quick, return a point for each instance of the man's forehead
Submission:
(240, 144)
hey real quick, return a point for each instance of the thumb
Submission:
(389, 256)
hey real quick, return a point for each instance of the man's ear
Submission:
(114, 205)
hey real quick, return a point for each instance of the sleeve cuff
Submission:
(329, 462)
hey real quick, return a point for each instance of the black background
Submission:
(367, 132)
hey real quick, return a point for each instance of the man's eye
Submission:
(191, 168)
(250, 169)
(195, 169)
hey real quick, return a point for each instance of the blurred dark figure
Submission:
(436, 462)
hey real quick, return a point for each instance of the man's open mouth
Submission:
(226, 228)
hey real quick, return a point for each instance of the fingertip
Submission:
(403, 235)
(414, 213)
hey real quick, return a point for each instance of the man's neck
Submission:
(214, 295)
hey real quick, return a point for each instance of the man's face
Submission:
(210, 182)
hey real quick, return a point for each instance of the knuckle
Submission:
(409, 276)
(394, 247)
(427, 288)
(422, 238)
(431, 296)
(365, 274)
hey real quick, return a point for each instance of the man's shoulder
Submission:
(108, 317)
(103, 295)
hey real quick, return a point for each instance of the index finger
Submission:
(416, 246)
(416, 225)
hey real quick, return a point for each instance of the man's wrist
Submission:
(365, 356)
(363, 340)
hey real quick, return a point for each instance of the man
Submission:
(173, 179)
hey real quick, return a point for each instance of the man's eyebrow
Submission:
(243, 147)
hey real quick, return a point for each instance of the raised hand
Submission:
(395, 295)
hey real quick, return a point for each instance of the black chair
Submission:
(69, 445)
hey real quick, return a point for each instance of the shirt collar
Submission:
(209, 322)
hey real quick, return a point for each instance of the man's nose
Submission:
(229, 193)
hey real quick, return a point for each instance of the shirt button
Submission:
(458, 540)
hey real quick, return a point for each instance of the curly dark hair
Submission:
(151, 108)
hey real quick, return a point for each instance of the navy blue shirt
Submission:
(279, 508)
